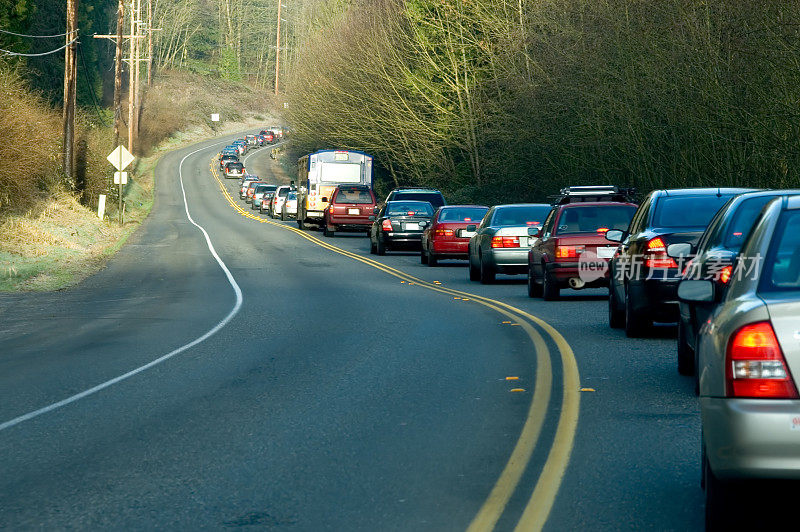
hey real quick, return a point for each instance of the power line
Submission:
(8, 52)
(89, 86)
(36, 36)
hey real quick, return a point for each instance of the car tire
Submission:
(474, 271)
(550, 288)
(380, 246)
(423, 256)
(373, 249)
(326, 231)
(685, 353)
(616, 316)
(720, 498)
(487, 274)
(636, 325)
(534, 289)
(432, 260)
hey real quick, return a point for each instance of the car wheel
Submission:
(373, 249)
(423, 256)
(636, 324)
(534, 289)
(326, 230)
(380, 246)
(550, 289)
(474, 271)
(616, 316)
(432, 260)
(685, 353)
(720, 498)
(487, 274)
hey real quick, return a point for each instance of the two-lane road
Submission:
(337, 393)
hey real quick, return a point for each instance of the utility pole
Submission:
(278, 49)
(149, 43)
(137, 93)
(70, 87)
(131, 77)
(118, 71)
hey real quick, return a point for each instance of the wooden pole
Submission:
(118, 72)
(137, 95)
(149, 43)
(131, 87)
(70, 86)
(278, 49)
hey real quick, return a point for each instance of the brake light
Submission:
(755, 366)
(568, 252)
(655, 256)
(444, 232)
(505, 242)
(725, 274)
(602, 229)
(386, 225)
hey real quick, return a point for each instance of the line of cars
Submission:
(277, 201)
(724, 263)
(230, 164)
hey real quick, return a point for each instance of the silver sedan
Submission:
(748, 353)
(500, 243)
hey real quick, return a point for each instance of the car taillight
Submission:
(568, 252)
(755, 366)
(444, 232)
(655, 256)
(386, 225)
(725, 274)
(602, 230)
(505, 242)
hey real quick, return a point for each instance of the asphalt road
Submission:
(334, 394)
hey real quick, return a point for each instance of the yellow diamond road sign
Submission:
(120, 158)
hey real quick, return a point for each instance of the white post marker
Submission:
(101, 206)
(120, 158)
(215, 117)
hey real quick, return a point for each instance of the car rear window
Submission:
(595, 219)
(679, 212)
(235, 166)
(409, 208)
(434, 198)
(292, 195)
(742, 221)
(354, 195)
(462, 214)
(283, 192)
(532, 215)
(265, 188)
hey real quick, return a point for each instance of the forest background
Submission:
(488, 100)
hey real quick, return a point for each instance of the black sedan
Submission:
(399, 226)
(715, 259)
(643, 277)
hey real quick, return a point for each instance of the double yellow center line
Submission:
(541, 501)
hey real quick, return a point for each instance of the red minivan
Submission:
(352, 208)
(447, 236)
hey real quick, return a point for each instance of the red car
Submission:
(571, 250)
(447, 236)
(350, 209)
(251, 189)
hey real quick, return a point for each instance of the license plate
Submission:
(412, 226)
(353, 211)
(463, 233)
(523, 241)
(605, 253)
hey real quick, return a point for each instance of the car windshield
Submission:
(434, 198)
(283, 192)
(409, 208)
(530, 215)
(782, 266)
(687, 212)
(354, 195)
(596, 219)
(462, 214)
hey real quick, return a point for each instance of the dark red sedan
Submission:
(350, 209)
(447, 236)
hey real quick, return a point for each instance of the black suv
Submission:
(431, 195)
(644, 280)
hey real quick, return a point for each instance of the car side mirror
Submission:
(615, 235)
(696, 291)
(375, 210)
(535, 231)
(472, 228)
(423, 223)
(679, 251)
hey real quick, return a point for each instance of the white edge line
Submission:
(214, 330)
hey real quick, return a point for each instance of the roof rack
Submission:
(593, 193)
